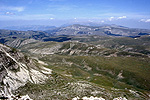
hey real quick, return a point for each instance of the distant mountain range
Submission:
(61, 34)
(111, 30)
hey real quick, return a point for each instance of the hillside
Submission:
(102, 65)
(60, 67)
(16, 70)
(59, 76)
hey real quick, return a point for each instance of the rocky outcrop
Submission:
(20, 42)
(16, 70)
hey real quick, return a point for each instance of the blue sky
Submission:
(57, 12)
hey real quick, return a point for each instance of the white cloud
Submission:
(102, 21)
(145, 20)
(51, 18)
(129, 15)
(148, 20)
(111, 18)
(116, 18)
(142, 20)
(12, 8)
(9, 13)
(122, 17)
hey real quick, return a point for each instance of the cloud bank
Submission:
(145, 20)
(12, 8)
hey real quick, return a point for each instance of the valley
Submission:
(63, 63)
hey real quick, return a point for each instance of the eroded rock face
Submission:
(16, 70)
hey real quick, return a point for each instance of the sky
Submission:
(130, 13)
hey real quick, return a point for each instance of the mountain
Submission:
(84, 23)
(30, 27)
(11, 37)
(16, 70)
(76, 48)
(47, 67)
(15, 38)
(104, 30)
(23, 34)
(115, 65)
(139, 45)
(62, 77)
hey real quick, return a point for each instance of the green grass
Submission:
(140, 45)
(57, 87)
(101, 70)
(132, 69)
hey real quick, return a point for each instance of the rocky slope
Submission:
(16, 43)
(111, 48)
(92, 62)
(16, 70)
(73, 76)
(22, 78)
(87, 66)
